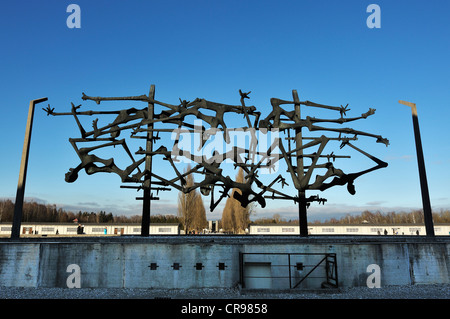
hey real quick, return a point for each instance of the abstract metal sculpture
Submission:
(280, 120)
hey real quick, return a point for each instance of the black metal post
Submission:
(18, 206)
(302, 213)
(428, 217)
(146, 205)
(289, 266)
(241, 269)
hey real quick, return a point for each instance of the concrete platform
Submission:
(200, 261)
(230, 239)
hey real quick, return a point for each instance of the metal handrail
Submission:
(330, 268)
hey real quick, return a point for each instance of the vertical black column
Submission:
(18, 207)
(302, 214)
(428, 217)
(146, 205)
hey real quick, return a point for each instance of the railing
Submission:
(268, 270)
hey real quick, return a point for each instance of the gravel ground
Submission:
(436, 291)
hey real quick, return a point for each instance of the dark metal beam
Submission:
(428, 217)
(146, 205)
(18, 207)
(302, 214)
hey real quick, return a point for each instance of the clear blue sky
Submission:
(211, 49)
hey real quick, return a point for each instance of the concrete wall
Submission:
(121, 262)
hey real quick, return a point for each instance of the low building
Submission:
(348, 229)
(89, 229)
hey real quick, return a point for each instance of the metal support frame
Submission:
(331, 271)
(302, 209)
(146, 206)
(428, 217)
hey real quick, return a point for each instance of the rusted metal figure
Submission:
(281, 119)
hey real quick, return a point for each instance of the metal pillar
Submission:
(18, 207)
(302, 214)
(145, 225)
(428, 217)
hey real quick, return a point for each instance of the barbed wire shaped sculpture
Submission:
(176, 119)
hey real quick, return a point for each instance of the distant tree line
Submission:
(36, 212)
(49, 213)
(275, 219)
(367, 217)
(413, 217)
(234, 218)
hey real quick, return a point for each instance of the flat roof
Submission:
(329, 224)
(90, 224)
(233, 239)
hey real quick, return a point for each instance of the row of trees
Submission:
(367, 217)
(235, 218)
(156, 219)
(191, 210)
(36, 212)
(192, 214)
(413, 217)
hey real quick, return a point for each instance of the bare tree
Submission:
(236, 218)
(191, 210)
(228, 217)
(199, 221)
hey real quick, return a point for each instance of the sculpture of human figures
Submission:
(281, 118)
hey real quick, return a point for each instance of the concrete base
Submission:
(213, 261)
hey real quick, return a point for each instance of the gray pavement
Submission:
(435, 291)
